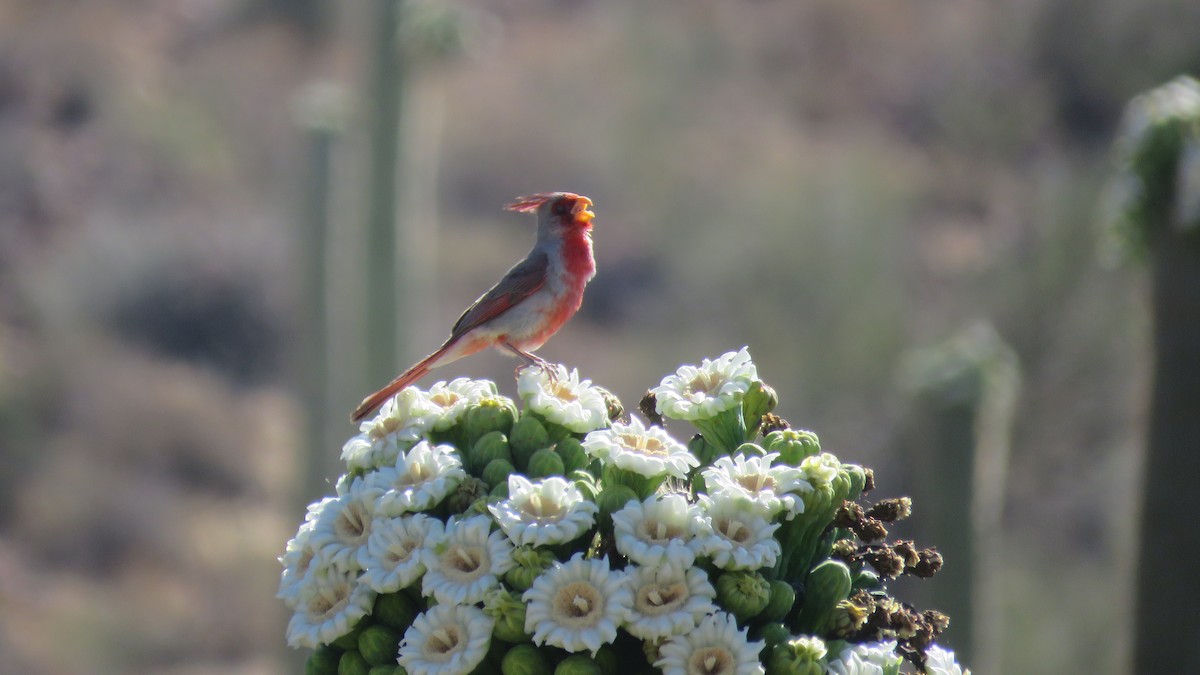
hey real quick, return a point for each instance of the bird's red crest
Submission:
(531, 203)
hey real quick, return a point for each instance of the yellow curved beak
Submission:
(582, 210)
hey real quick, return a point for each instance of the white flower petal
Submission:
(735, 534)
(342, 525)
(668, 600)
(421, 478)
(563, 399)
(549, 511)
(402, 421)
(656, 531)
(452, 399)
(703, 392)
(446, 640)
(865, 658)
(754, 479)
(715, 647)
(577, 605)
(646, 451)
(392, 557)
(328, 606)
(940, 661)
(465, 561)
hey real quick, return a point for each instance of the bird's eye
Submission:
(561, 208)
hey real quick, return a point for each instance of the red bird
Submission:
(536, 297)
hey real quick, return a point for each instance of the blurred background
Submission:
(194, 196)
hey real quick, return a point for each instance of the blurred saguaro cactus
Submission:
(1154, 209)
(962, 397)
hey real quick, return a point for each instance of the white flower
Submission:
(297, 561)
(648, 452)
(342, 525)
(656, 531)
(446, 640)
(737, 536)
(940, 661)
(328, 606)
(668, 600)
(549, 511)
(820, 469)
(452, 399)
(392, 557)
(754, 478)
(465, 561)
(563, 399)
(866, 658)
(702, 393)
(421, 478)
(577, 605)
(716, 647)
(402, 421)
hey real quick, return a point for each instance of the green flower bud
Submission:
(573, 456)
(759, 400)
(499, 491)
(497, 471)
(772, 634)
(866, 579)
(350, 640)
(750, 450)
(828, 584)
(607, 659)
(793, 445)
(489, 414)
(390, 669)
(804, 655)
(702, 450)
(492, 445)
(857, 478)
(528, 564)
(586, 483)
(545, 463)
(379, 645)
(525, 659)
(395, 610)
(783, 596)
(743, 594)
(611, 499)
(508, 610)
(556, 432)
(578, 664)
(527, 437)
(353, 663)
(323, 661)
(465, 494)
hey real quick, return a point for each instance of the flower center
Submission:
(353, 523)
(658, 599)
(704, 383)
(577, 605)
(542, 509)
(733, 530)
(328, 601)
(418, 472)
(710, 661)
(464, 564)
(445, 399)
(644, 445)
(563, 392)
(658, 532)
(401, 551)
(442, 643)
(757, 482)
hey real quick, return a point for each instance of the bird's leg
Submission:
(532, 360)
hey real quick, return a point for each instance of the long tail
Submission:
(372, 402)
